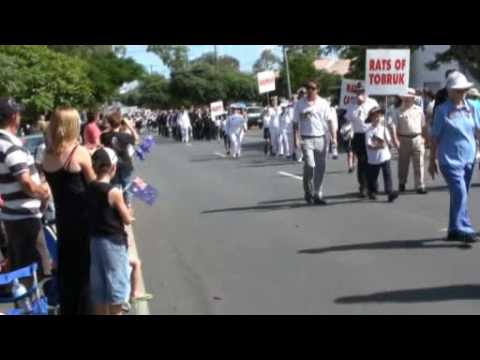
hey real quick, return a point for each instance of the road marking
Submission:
(290, 175)
(189, 145)
(221, 155)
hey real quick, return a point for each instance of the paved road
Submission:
(235, 237)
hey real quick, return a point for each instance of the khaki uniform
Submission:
(410, 124)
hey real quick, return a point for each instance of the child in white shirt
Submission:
(378, 143)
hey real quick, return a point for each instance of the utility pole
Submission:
(215, 50)
(287, 68)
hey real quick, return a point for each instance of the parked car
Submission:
(32, 142)
(254, 114)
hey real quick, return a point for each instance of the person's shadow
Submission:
(434, 294)
(387, 245)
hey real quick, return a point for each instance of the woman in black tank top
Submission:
(68, 187)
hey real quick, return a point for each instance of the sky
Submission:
(246, 54)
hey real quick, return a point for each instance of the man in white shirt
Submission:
(315, 124)
(274, 113)
(185, 125)
(357, 115)
(236, 127)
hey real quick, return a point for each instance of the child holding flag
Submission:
(109, 268)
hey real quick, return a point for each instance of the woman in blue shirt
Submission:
(453, 151)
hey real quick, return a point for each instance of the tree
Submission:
(357, 53)
(311, 50)
(153, 92)
(175, 57)
(468, 57)
(109, 72)
(302, 69)
(222, 62)
(267, 61)
(82, 50)
(120, 50)
(43, 79)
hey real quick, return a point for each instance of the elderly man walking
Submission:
(411, 128)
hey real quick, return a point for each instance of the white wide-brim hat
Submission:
(458, 81)
(411, 93)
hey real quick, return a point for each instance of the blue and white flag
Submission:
(145, 147)
(143, 191)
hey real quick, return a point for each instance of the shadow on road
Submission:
(387, 245)
(436, 294)
(333, 197)
(280, 205)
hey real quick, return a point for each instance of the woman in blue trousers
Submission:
(453, 152)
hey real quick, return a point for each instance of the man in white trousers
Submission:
(286, 132)
(236, 128)
(185, 125)
(274, 113)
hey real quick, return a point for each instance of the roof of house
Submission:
(333, 66)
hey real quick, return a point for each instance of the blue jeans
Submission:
(109, 271)
(458, 180)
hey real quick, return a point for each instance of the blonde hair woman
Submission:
(68, 169)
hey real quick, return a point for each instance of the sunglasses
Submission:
(311, 88)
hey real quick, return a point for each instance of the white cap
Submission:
(458, 81)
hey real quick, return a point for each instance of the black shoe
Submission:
(470, 239)
(422, 191)
(351, 170)
(402, 188)
(309, 199)
(392, 197)
(362, 195)
(319, 201)
(372, 196)
(453, 237)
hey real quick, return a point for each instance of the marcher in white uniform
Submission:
(236, 127)
(266, 117)
(286, 132)
(274, 113)
(315, 123)
(185, 125)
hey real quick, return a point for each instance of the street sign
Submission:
(388, 72)
(348, 93)
(217, 109)
(266, 82)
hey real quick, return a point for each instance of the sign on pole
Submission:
(348, 94)
(217, 109)
(388, 72)
(266, 82)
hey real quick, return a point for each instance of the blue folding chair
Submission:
(39, 302)
(49, 286)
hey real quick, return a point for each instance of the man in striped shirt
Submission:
(22, 193)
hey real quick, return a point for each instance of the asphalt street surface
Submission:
(236, 237)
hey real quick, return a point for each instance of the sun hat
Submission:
(458, 81)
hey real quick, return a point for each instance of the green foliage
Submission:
(175, 57)
(467, 55)
(222, 62)
(109, 72)
(357, 53)
(267, 61)
(43, 79)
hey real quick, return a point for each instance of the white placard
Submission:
(217, 109)
(266, 82)
(348, 94)
(388, 72)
